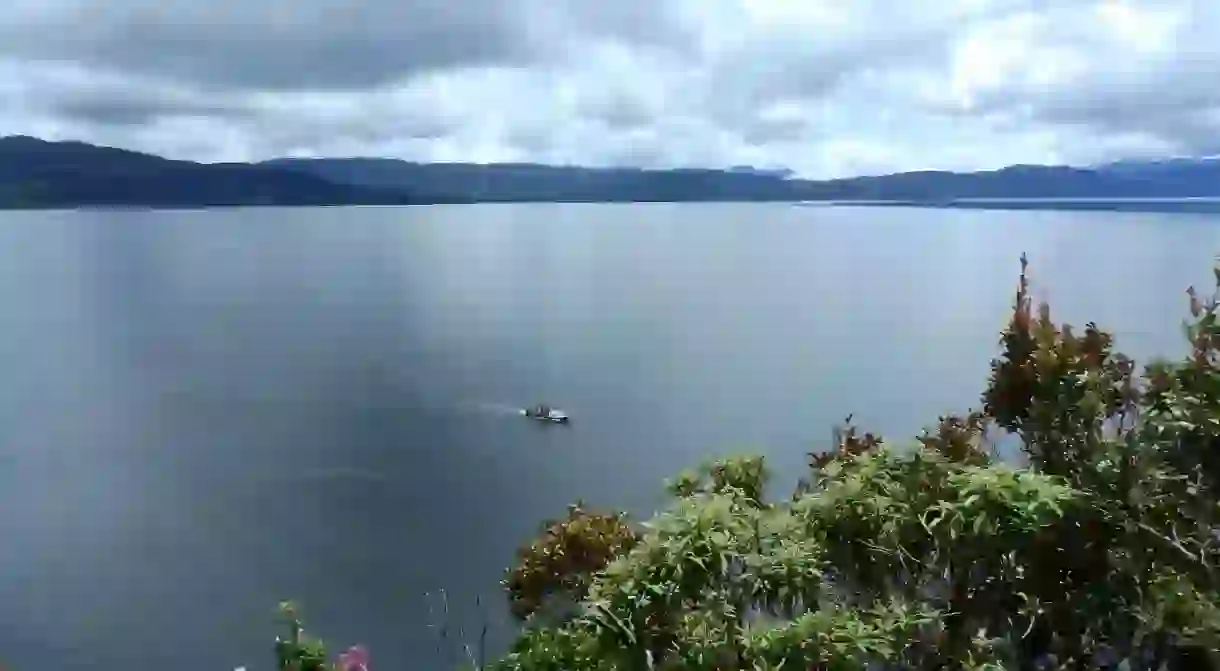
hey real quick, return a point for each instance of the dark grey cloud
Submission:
(318, 44)
(1179, 103)
(279, 44)
(133, 107)
(825, 87)
(94, 96)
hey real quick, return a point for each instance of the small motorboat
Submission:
(545, 413)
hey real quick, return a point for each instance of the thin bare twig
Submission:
(482, 634)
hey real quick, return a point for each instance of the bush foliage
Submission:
(1101, 551)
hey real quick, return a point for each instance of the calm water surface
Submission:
(203, 413)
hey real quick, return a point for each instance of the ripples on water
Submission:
(202, 414)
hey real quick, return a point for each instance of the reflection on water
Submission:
(202, 414)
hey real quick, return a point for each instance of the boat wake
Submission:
(501, 409)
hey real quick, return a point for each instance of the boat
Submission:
(545, 413)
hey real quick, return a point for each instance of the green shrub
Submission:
(1102, 550)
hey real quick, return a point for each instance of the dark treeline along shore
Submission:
(39, 174)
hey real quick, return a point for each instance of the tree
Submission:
(557, 568)
(938, 555)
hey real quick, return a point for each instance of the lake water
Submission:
(203, 413)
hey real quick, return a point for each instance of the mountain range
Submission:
(40, 174)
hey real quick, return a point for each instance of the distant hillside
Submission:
(35, 173)
(528, 182)
(1200, 175)
(533, 182)
(1028, 181)
(39, 174)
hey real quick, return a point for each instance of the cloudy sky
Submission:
(826, 87)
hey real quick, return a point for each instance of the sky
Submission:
(828, 88)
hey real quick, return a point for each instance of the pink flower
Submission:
(355, 659)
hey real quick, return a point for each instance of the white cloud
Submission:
(827, 87)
